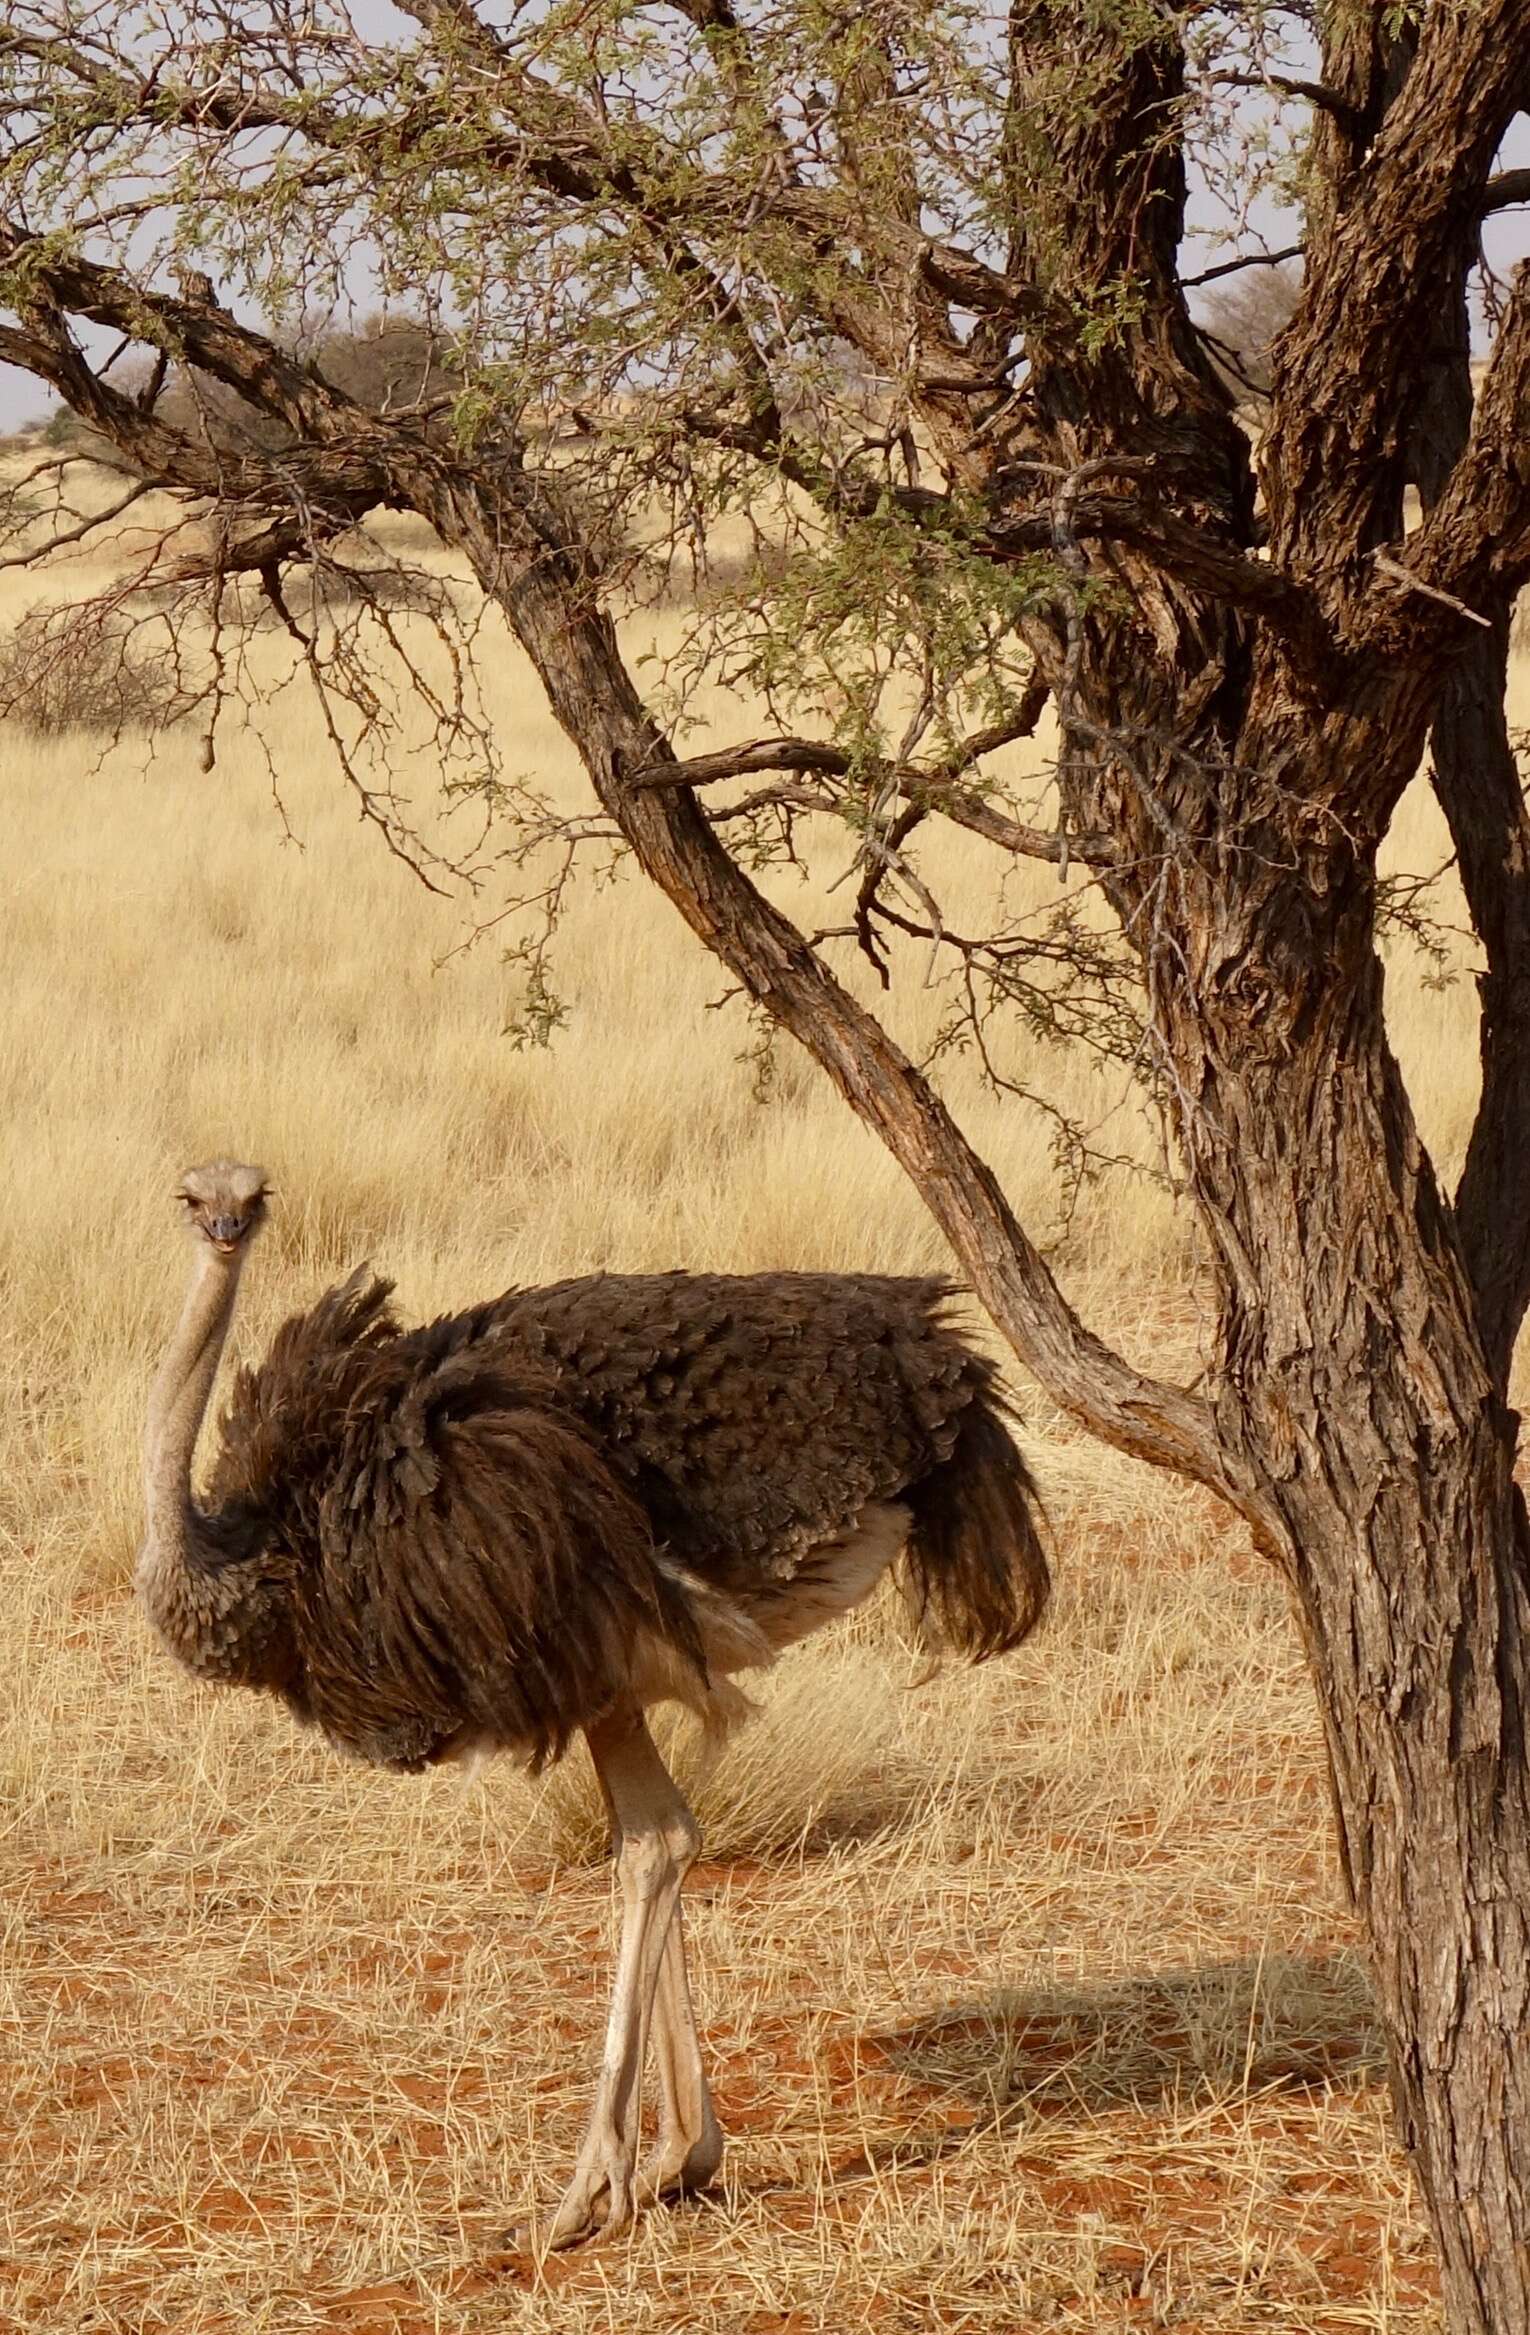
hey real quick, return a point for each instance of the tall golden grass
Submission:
(1029, 1989)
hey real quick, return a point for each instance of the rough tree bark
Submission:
(1240, 710)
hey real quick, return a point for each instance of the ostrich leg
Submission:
(688, 2146)
(656, 1841)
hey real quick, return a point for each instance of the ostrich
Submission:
(540, 1517)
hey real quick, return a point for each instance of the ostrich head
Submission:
(224, 1203)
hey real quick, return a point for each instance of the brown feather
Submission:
(460, 1556)
(757, 1416)
(483, 1521)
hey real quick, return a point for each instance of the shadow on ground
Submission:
(1225, 2029)
(1177, 2039)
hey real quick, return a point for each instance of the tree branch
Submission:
(1290, 85)
(1380, 243)
(924, 787)
(1195, 555)
(346, 459)
(844, 487)
(566, 151)
(1475, 543)
(575, 653)
(1476, 778)
(293, 503)
(1233, 267)
(744, 762)
(88, 525)
(1505, 192)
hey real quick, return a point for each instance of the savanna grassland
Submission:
(1031, 1995)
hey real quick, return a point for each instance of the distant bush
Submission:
(25, 437)
(1243, 318)
(68, 669)
(384, 362)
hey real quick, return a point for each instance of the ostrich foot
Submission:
(599, 2200)
(674, 2167)
(680, 2163)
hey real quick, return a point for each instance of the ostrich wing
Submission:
(754, 1415)
(461, 1557)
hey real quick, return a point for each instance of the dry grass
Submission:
(1029, 1993)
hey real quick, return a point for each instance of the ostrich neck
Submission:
(215, 1600)
(177, 1407)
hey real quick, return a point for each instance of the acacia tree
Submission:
(911, 278)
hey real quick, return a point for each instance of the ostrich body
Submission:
(540, 1517)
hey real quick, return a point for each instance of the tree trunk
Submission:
(1429, 1756)
(1357, 1382)
(1415, 1608)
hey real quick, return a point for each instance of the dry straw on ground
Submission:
(1030, 1993)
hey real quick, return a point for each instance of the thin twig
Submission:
(1396, 573)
